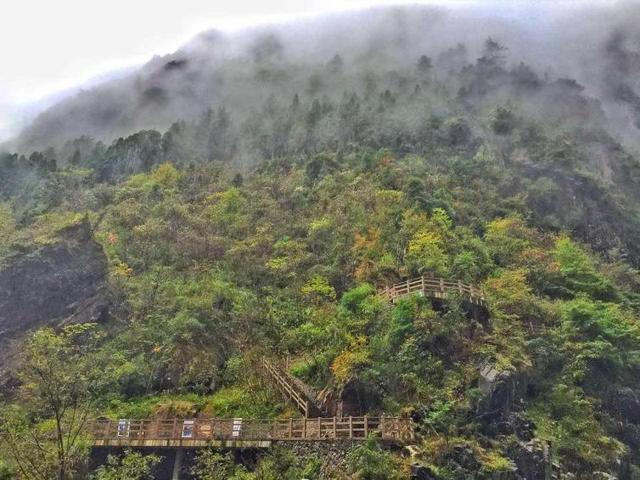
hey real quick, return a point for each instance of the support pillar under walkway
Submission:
(177, 464)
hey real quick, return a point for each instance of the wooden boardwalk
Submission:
(241, 433)
(238, 432)
(433, 287)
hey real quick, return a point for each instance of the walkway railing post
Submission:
(366, 419)
(350, 427)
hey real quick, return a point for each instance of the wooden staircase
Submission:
(293, 389)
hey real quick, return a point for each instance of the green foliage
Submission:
(209, 268)
(507, 238)
(7, 223)
(346, 365)
(5, 471)
(131, 466)
(426, 253)
(358, 300)
(213, 465)
(234, 402)
(502, 120)
(370, 462)
(283, 464)
(7, 228)
(567, 419)
(601, 336)
(319, 287)
(578, 273)
(44, 437)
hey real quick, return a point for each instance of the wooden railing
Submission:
(200, 431)
(434, 288)
(288, 388)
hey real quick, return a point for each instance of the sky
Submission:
(49, 47)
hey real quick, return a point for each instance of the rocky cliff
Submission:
(56, 284)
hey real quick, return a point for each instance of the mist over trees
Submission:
(266, 105)
(395, 48)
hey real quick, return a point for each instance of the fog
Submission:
(597, 45)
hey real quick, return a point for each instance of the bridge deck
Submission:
(246, 432)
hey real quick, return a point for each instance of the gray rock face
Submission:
(57, 284)
(503, 391)
(420, 472)
(333, 455)
(625, 404)
(532, 460)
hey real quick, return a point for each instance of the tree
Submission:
(425, 253)
(75, 159)
(213, 465)
(457, 132)
(44, 436)
(493, 53)
(132, 466)
(424, 65)
(267, 48)
(502, 120)
(336, 64)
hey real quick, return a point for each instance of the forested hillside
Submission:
(242, 232)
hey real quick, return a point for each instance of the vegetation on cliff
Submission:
(211, 261)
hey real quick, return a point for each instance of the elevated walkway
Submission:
(243, 433)
(434, 287)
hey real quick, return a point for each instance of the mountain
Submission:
(410, 212)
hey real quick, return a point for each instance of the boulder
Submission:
(532, 460)
(421, 472)
(515, 424)
(463, 456)
(503, 390)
